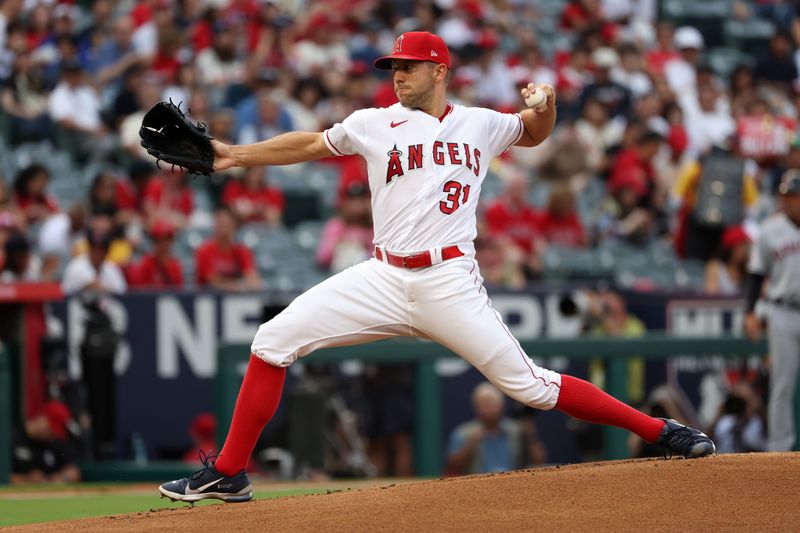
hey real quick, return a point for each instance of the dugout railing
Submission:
(614, 352)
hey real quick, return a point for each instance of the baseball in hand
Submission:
(537, 99)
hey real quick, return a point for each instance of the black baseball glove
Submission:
(168, 135)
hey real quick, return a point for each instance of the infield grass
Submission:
(24, 506)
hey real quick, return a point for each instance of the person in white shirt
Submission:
(73, 104)
(58, 236)
(91, 271)
(681, 72)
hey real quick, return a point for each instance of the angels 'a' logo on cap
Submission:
(398, 45)
(434, 54)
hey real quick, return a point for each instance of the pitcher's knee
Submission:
(533, 392)
(270, 346)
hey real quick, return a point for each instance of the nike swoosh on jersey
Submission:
(395, 124)
(190, 490)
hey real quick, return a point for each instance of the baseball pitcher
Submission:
(427, 159)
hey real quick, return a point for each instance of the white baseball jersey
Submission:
(776, 254)
(425, 173)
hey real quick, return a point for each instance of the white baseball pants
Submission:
(446, 303)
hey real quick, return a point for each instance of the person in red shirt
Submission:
(168, 197)
(130, 192)
(158, 269)
(222, 263)
(559, 224)
(664, 51)
(638, 160)
(30, 195)
(515, 223)
(252, 199)
(510, 216)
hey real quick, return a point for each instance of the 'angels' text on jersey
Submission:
(443, 152)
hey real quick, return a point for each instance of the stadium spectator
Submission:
(147, 94)
(597, 133)
(615, 97)
(102, 219)
(513, 220)
(492, 80)
(252, 199)
(168, 197)
(42, 450)
(727, 274)
(158, 269)
(302, 107)
(559, 224)
(102, 193)
(740, 427)
(130, 191)
(777, 67)
(18, 261)
(347, 239)
(571, 79)
(270, 119)
(498, 267)
(219, 65)
(490, 442)
(620, 214)
(707, 120)
(222, 262)
(663, 52)
(91, 271)
(630, 71)
(680, 72)
(30, 195)
(59, 237)
(637, 160)
(115, 54)
(75, 108)
(11, 217)
(24, 99)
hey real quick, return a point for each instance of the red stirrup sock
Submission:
(257, 402)
(583, 400)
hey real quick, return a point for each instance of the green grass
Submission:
(29, 510)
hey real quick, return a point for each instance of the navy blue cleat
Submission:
(683, 440)
(208, 483)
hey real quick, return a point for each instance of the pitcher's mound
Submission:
(748, 492)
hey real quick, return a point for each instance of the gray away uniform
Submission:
(776, 256)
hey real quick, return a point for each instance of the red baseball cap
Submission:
(417, 46)
(162, 229)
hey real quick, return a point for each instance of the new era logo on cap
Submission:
(417, 46)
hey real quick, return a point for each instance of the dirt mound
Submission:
(749, 492)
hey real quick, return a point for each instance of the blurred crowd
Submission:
(652, 143)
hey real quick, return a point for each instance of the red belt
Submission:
(420, 260)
